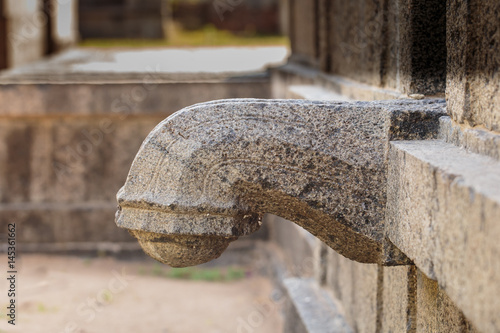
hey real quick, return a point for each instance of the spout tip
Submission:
(182, 250)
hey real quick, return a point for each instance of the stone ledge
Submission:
(112, 248)
(138, 82)
(475, 140)
(316, 311)
(46, 223)
(155, 65)
(120, 99)
(297, 74)
(443, 212)
(315, 93)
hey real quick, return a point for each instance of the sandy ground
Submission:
(63, 294)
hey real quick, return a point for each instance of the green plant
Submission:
(177, 37)
(41, 307)
(157, 270)
(206, 274)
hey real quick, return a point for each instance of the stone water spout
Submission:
(207, 174)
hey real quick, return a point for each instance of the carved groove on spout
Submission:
(206, 175)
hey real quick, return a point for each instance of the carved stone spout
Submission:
(206, 175)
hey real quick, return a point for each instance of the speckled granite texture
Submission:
(214, 169)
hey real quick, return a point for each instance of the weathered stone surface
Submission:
(122, 19)
(50, 223)
(311, 310)
(320, 256)
(422, 46)
(216, 168)
(314, 93)
(395, 44)
(149, 66)
(182, 250)
(25, 31)
(323, 34)
(473, 78)
(67, 159)
(399, 299)
(443, 212)
(356, 286)
(120, 98)
(292, 74)
(475, 140)
(436, 312)
(292, 323)
(333, 272)
(296, 243)
(390, 55)
(303, 31)
(65, 21)
(159, 81)
(357, 39)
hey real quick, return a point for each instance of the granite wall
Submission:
(443, 207)
(394, 44)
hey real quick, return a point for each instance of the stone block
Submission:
(62, 223)
(364, 310)
(67, 159)
(290, 74)
(422, 33)
(443, 208)
(399, 299)
(473, 79)
(25, 39)
(356, 286)
(105, 82)
(65, 32)
(331, 87)
(475, 140)
(18, 8)
(296, 243)
(333, 271)
(292, 322)
(223, 170)
(396, 44)
(85, 98)
(390, 55)
(310, 309)
(435, 310)
(320, 262)
(356, 39)
(303, 31)
(121, 19)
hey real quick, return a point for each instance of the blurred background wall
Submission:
(30, 29)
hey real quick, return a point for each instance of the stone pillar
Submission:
(25, 25)
(395, 44)
(284, 17)
(126, 19)
(303, 31)
(65, 23)
(473, 81)
(3, 38)
(357, 40)
(422, 38)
